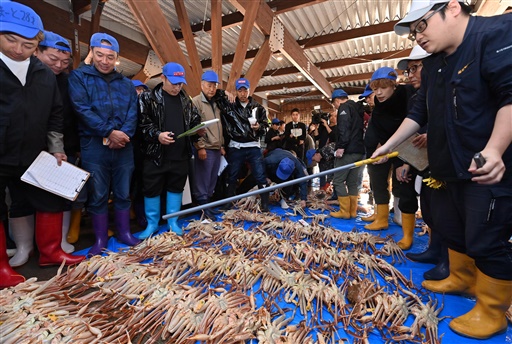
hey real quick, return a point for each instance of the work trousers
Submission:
(379, 176)
(346, 181)
(170, 176)
(408, 196)
(206, 173)
(476, 220)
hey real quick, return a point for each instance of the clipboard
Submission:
(65, 181)
(417, 157)
(201, 125)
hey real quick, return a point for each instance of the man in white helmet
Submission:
(466, 98)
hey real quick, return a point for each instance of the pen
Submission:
(403, 173)
(491, 209)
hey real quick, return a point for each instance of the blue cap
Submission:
(242, 82)
(210, 76)
(100, 36)
(367, 91)
(138, 83)
(276, 121)
(338, 93)
(384, 73)
(51, 39)
(174, 72)
(19, 19)
(285, 169)
(309, 156)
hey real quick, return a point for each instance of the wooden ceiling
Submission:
(249, 24)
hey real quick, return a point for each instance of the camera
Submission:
(318, 115)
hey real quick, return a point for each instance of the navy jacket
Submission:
(476, 82)
(272, 161)
(103, 103)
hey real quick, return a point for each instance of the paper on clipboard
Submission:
(417, 157)
(223, 164)
(201, 125)
(65, 180)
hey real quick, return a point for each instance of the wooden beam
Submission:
(95, 19)
(217, 38)
(193, 55)
(259, 63)
(57, 20)
(335, 79)
(281, 6)
(343, 62)
(291, 49)
(243, 43)
(80, 6)
(487, 8)
(154, 25)
(349, 90)
(141, 76)
(313, 42)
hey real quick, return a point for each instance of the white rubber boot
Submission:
(397, 215)
(66, 221)
(22, 233)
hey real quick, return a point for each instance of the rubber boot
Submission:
(74, 225)
(208, 213)
(397, 213)
(66, 222)
(344, 212)
(139, 208)
(264, 198)
(124, 234)
(487, 318)
(432, 253)
(8, 277)
(100, 227)
(442, 269)
(381, 221)
(152, 210)
(230, 192)
(22, 233)
(174, 205)
(408, 224)
(49, 238)
(370, 218)
(461, 280)
(353, 206)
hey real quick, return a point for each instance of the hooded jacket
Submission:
(213, 139)
(152, 117)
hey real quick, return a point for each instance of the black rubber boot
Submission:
(433, 252)
(442, 269)
(208, 211)
(264, 197)
(230, 192)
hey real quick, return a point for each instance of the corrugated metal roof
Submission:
(304, 23)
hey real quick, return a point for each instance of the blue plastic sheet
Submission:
(453, 305)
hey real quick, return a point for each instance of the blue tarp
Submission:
(453, 305)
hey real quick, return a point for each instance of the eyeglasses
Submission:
(412, 69)
(422, 24)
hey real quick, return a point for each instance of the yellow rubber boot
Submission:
(74, 226)
(353, 206)
(370, 218)
(381, 221)
(487, 318)
(344, 212)
(462, 278)
(408, 224)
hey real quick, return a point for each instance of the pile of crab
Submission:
(250, 277)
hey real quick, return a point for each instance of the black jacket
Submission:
(235, 119)
(28, 113)
(350, 128)
(151, 122)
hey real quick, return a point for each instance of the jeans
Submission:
(111, 169)
(252, 155)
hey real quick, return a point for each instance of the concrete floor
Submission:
(86, 240)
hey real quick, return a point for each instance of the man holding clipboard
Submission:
(30, 121)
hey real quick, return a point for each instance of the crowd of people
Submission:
(137, 145)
